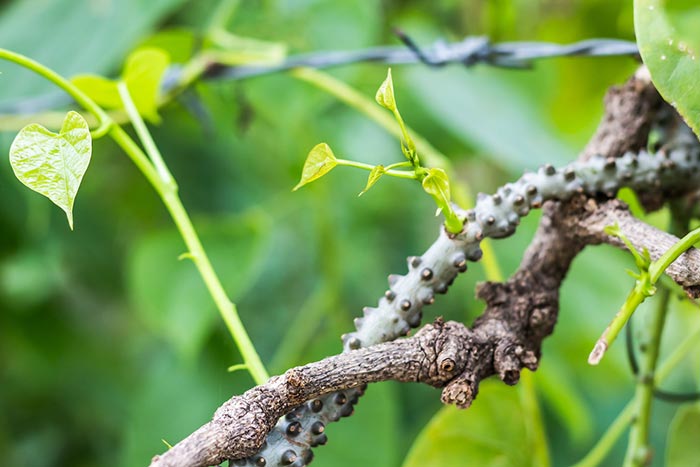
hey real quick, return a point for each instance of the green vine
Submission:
(157, 173)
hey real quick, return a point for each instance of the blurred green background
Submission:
(109, 344)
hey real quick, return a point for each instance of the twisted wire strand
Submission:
(470, 51)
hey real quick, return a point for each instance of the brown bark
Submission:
(520, 312)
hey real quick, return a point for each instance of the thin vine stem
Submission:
(638, 450)
(644, 288)
(602, 448)
(145, 136)
(432, 156)
(394, 173)
(168, 194)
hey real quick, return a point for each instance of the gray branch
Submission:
(519, 314)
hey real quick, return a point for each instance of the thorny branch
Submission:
(520, 313)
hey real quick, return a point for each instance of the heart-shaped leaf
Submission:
(53, 164)
(319, 162)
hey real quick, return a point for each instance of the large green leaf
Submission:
(683, 449)
(668, 41)
(490, 433)
(53, 164)
(169, 295)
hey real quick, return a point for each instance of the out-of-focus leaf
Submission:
(53, 164)
(554, 383)
(178, 43)
(491, 433)
(156, 409)
(100, 89)
(86, 37)
(169, 295)
(375, 427)
(374, 175)
(671, 54)
(683, 449)
(142, 74)
(485, 111)
(319, 162)
(237, 50)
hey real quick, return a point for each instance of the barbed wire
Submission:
(470, 51)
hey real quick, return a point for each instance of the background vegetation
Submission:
(108, 343)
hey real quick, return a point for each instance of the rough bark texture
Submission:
(520, 312)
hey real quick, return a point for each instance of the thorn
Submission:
(393, 279)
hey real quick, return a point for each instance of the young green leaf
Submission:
(53, 164)
(102, 90)
(142, 74)
(385, 93)
(319, 162)
(374, 175)
(437, 185)
(670, 53)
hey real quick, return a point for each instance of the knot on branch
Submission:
(443, 345)
(461, 391)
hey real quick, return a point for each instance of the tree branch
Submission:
(520, 313)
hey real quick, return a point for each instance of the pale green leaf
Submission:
(491, 433)
(237, 50)
(101, 90)
(169, 297)
(671, 57)
(179, 43)
(143, 73)
(385, 93)
(683, 449)
(374, 175)
(53, 164)
(437, 185)
(319, 162)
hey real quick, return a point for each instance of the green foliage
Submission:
(491, 433)
(70, 307)
(142, 74)
(172, 300)
(53, 164)
(319, 162)
(374, 175)
(667, 34)
(683, 434)
(179, 43)
(437, 185)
